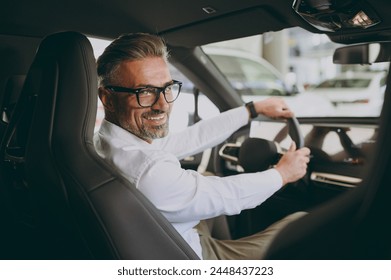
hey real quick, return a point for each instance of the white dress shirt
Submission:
(185, 197)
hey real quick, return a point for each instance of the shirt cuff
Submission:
(277, 177)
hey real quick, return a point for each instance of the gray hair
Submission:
(128, 47)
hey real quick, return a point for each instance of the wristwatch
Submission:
(251, 109)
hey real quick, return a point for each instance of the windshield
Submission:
(261, 66)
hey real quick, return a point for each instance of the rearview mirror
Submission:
(363, 53)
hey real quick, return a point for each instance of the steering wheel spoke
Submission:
(258, 154)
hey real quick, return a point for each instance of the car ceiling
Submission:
(182, 23)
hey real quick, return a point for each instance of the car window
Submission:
(183, 111)
(249, 77)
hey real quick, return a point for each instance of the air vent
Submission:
(334, 179)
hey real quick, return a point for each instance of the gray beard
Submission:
(157, 132)
(148, 133)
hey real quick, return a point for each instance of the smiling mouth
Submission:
(156, 119)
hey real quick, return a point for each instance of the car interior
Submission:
(60, 200)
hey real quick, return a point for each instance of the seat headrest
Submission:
(67, 64)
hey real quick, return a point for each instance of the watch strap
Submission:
(251, 108)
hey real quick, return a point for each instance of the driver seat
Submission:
(83, 209)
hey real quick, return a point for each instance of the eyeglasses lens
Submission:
(150, 96)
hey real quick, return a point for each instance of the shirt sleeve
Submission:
(187, 195)
(204, 134)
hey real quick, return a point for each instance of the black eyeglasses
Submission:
(148, 96)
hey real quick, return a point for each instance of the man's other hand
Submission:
(293, 164)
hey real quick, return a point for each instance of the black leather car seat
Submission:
(82, 207)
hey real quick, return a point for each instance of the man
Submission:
(137, 91)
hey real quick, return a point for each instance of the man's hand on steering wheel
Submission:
(257, 154)
(293, 164)
(273, 107)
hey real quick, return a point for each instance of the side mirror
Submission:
(367, 53)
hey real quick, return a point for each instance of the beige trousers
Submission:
(248, 248)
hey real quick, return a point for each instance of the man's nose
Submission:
(161, 103)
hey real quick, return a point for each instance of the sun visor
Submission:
(247, 22)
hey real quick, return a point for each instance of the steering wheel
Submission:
(258, 154)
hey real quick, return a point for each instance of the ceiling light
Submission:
(327, 15)
(362, 20)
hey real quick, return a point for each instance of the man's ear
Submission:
(107, 99)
